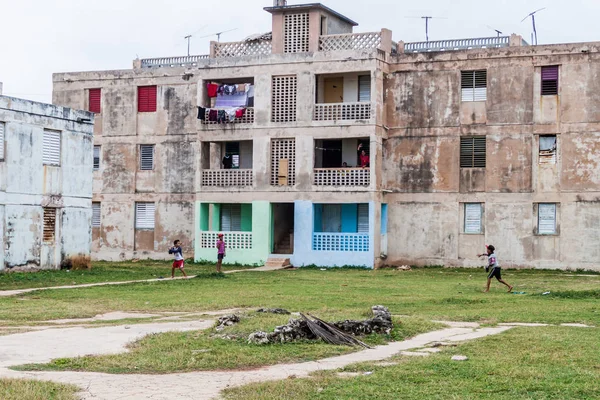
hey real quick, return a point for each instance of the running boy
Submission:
(220, 252)
(493, 268)
(178, 262)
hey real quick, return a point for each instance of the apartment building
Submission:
(466, 142)
(45, 184)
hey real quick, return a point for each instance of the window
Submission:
(364, 88)
(146, 98)
(546, 218)
(296, 33)
(146, 157)
(95, 100)
(363, 218)
(472, 152)
(550, 80)
(332, 218)
(2, 128)
(96, 158)
(474, 85)
(231, 217)
(96, 215)
(232, 155)
(49, 224)
(473, 213)
(144, 215)
(283, 106)
(51, 151)
(547, 153)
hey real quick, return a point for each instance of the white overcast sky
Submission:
(39, 37)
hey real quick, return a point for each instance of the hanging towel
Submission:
(213, 115)
(241, 88)
(202, 113)
(222, 117)
(239, 113)
(213, 88)
(232, 114)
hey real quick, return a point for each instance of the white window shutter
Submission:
(146, 157)
(473, 213)
(231, 217)
(2, 128)
(364, 88)
(546, 219)
(96, 158)
(144, 215)
(51, 151)
(363, 218)
(96, 215)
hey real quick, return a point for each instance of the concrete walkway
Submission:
(72, 342)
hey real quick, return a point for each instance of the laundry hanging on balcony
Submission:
(213, 89)
(202, 113)
(221, 116)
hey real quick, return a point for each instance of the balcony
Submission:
(342, 111)
(234, 240)
(183, 61)
(227, 178)
(350, 41)
(247, 118)
(347, 242)
(342, 176)
(252, 47)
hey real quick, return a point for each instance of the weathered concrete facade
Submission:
(320, 89)
(45, 184)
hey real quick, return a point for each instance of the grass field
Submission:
(18, 389)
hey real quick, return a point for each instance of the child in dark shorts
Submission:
(493, 268)
(220, 252)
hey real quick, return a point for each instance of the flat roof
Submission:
(302, 7)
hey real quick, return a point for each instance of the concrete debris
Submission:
(273, 311)
(442, 344)
(227, 320)
(259, 338)
(404, 268)
(460, 358)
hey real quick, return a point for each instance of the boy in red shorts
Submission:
(178, 262)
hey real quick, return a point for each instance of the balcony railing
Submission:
(227, 177)
(356, 242)
(342, 111)
(342, 176)
(233, 240)
(458, 44)
(350, 41)
(248, 118)
(241, 49)
(182, 61)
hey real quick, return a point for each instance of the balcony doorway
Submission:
(283, 229)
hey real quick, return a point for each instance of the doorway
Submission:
(334, 90)
(283, 228)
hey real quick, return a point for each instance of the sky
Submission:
(40, 37)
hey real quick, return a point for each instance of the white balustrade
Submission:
(355, 242)
(233, 240)
(458, 44)
(342, 176)
(172, 61)
(227, 178)
(342, 111)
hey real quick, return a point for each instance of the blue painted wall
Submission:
(384, 218)
(349, 218)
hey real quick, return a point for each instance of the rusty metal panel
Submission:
(49, 225)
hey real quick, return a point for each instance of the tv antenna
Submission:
(188, 37)
(534, 34)
(218, 34)
(499, 33)
(427, 18)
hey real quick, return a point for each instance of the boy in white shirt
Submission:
(178, 258)
(493, 268)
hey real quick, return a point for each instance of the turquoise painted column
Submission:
(216, 218)
(200, 225)
(262, 222)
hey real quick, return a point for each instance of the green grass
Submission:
(523, 363)
(101, 272)
(19, 389)
(199, 351)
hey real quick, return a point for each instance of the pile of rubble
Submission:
(226, 321)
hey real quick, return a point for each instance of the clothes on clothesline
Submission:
(202, 113)
(221, 116)
(213, 115)
(213, 89)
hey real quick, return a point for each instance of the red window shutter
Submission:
(95, 101)
(147, 99)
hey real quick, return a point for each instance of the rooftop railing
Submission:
(241, 49)
(183, 61)
(458, 44)
(350, 41)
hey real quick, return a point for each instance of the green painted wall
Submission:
(246, 217)
(216, 218)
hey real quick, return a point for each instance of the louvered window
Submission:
(547, 153)
(474, 85)
(95, 100)
(332, 218)
(146, 98)
(2, 128)
(546, 219)
(96, 215)
(146, 157)
(49, 224)
(364, 88)
(144, 215)
(550, 80)
(231, 217)
(283, 104)
(296, 33)
(51, 151)
(473, 213)
(472, 152)
(96, 158)
(363, 218)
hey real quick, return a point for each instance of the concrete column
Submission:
(305, 97)
(277, 42)
(305, 154)
(386, 41)
(314, 33)
(262, 99)
(516, 40)
(303, 231)
(261, 158)
(375, 232)
(216, 155)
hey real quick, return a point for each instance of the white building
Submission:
(45, 184)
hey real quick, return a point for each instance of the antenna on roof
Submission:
(218, 34)
(188, 37)
(532, 15)
(495, 30)
(427, 18)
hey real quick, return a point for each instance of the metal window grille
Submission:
(95, 100)
(96, 215)
(547, 219)
(473, 213)
(144, 215)
(547, 154)
(96, 158)
(550, 80)
(146, 157)
(283, 105)
(472, 152)
(49, 231)
(296, 33)
(283, 149)
(231, 217)
(51, 151)
(474, 85)
(147, 99)
(363, 218)
(364, 88)
(2, 128)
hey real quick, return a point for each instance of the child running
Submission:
(220, 252)
(493, 268)
(178, 262)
